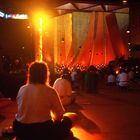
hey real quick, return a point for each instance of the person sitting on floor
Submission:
(64, 89)
(111, 79)
(122, 78)
(91, 80)
(36, 101)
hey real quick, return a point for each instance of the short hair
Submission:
(38, 72)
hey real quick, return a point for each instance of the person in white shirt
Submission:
(36, 101)
(111, 78)
(64, 89)
(122, 78)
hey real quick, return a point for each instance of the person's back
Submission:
(64, 89)
(36, 101)
(123, 79)
(111, 79)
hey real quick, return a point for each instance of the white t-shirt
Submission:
(123, 79)
(64, 89)
(111, 78)
(35, 101)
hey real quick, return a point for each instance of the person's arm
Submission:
(57, 107)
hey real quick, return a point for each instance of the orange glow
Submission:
(52, 115)
(45, 19)
(117, 71)
(40, 41)
(83, 62)
(49, 58)
(84, 135)
(41, 22)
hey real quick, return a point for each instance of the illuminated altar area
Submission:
(81, 38)
(77, 38)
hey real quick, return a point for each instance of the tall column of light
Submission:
(40, 39)
(41, 23)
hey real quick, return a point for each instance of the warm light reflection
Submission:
(40, 39)
(81, 134)
(52, 115)
(41, 23)
(117, 71)
(45, 19)
(124, 1)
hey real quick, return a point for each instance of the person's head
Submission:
(38, 72)
(66, 76)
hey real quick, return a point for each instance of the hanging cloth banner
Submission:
(115, 36)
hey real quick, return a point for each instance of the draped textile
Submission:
(86, 39)
(85, 51)
(97, 48)
(116, 40)
(62, 28)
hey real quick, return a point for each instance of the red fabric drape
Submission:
(116, 40)
(97, 48)
(103, 43)
(110, 53)
(99, 41)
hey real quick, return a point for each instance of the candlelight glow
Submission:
(84, 135)
(45, 23)
(40, 39)
(41, 23)
(117, 71)
(52, 115)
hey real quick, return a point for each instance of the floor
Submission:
(110, 114)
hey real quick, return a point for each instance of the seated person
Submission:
(64, 89)
(36, 101)
(111, 79)
(122, 78)
(92, 79)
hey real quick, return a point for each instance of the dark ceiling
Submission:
(58, 7)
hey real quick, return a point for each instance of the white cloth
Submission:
(35, 101)
(111, 78)
(123, 79)
(64, 89)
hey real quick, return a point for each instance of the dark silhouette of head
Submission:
(38, 73)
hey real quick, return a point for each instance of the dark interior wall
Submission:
(16, 43)
(16, 40)
(134, 13)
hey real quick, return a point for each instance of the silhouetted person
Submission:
(36, 100)
(64, 89)
(91, 80)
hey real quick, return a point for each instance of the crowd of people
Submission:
(41, 102)
(40, 112)
(80, 78)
